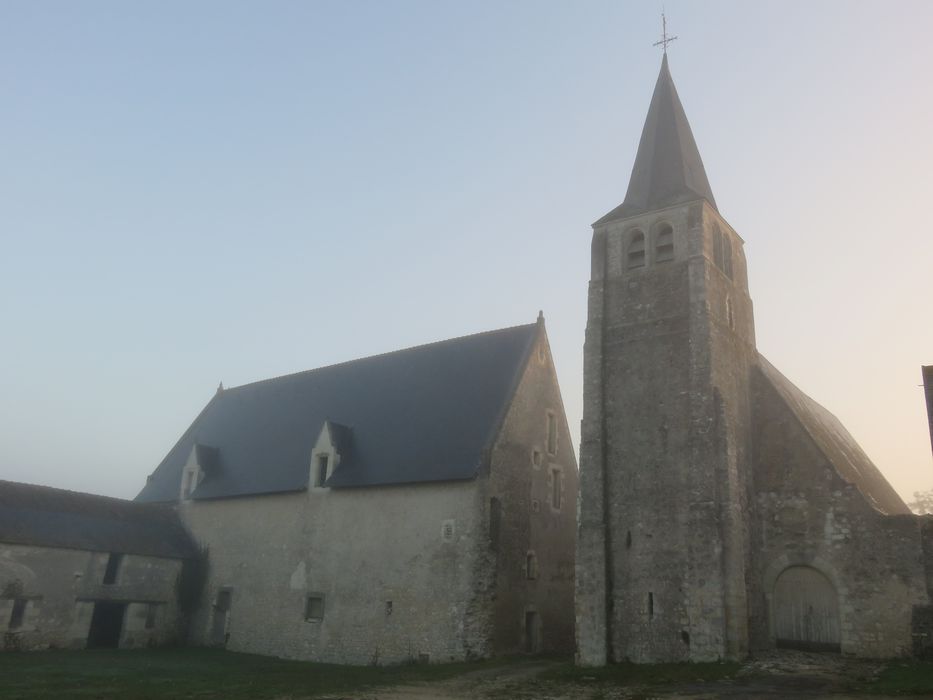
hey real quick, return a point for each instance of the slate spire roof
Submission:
(668, 169)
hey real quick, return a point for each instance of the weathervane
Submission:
(665, 39)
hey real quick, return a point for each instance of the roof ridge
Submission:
(445, 341)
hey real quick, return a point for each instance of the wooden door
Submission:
(805, 610)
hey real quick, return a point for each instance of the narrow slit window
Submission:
(664, 244)
(651, 605)
(717, 247)
(636, 250)
(551, 434)
(531, 566)
(727, 256)
(113, 568)
(555, 488)
(18, 614)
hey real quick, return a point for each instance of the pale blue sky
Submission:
(197, 192)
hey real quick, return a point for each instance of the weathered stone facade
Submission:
(430, 571)
(60, 588)
(706, 476)
(80, 570)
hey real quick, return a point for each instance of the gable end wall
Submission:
(808, 515)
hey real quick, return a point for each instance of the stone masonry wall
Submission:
(395, 567)
(522, 478)
(809, 516)
(61, 585)
(666, 414)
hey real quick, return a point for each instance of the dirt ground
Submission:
(782, 674)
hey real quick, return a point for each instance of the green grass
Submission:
(903, 678)
(204, 674)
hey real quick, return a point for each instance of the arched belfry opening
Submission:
(805, 610)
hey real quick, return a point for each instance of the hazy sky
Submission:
(197, 192)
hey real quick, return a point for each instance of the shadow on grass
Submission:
(903, 678)
(197, 673)
(643, 674)
(565, 678)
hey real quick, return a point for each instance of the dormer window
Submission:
(203, 461)
(636, 250)
(189, 484)
(333, 443)
(664, 244)
(320, 476)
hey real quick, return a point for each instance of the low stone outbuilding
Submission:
(81, 570)
(414, 506)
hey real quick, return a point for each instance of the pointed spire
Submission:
(668, 169)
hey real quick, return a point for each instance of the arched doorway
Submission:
(805, 610)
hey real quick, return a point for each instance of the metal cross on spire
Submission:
(665, 39)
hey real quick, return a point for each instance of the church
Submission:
(722, 510)
(424, 505)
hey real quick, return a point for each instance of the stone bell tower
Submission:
(662, 546)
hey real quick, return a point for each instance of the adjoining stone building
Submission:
(722, 510)
(416, 505)
(81, 570)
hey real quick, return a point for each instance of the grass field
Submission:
(209, 674)
(192, 673)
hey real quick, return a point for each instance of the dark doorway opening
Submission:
(532, 632)
(221, 615)
(106, 625)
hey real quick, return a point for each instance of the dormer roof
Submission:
(668, 169)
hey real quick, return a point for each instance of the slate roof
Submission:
(836, 443)
(47, 517)
(668, 169)
(425, 414)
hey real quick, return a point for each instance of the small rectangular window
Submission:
(151, 616)
(314, 608)
(555, 488)
(321, 475)
(551, 433)
(18, 614)
(113, 568)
